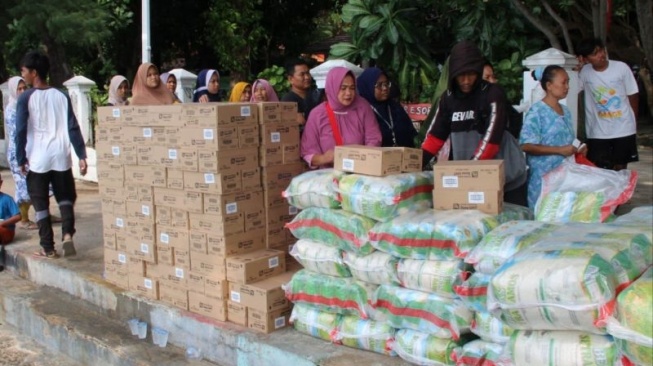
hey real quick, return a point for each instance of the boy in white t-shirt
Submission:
(611, 104)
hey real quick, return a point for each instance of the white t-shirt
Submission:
(608, 113)
(48, 142)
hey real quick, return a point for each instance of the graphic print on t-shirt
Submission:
(608, 103)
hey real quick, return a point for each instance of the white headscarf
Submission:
(113, 91)
(13, 91)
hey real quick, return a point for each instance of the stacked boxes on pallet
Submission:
(184, 209)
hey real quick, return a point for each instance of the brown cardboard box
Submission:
(198, 242)
(141, 136)
(173, 296)
(118, 275)
(279, 154)
(195, 282)
(274, 197)
(116, 153)
(248, 135)
(109, 134)
(210, 161)
(279, 133)
(237, 313)
(238, 243)
(288, 112)
(182, 258)
(216, 183)
(207, 306)
(174, 237)
(116, 258)
(108, 116)
(255, 266)
(135, 266)
(411, 160)
(216, 288)
(219, 114)
(266, 295)
(144, 286)
(111, 174)
(368, 160)
(269, 112)
(216, 138)
(279, 176)
(232, 204)
(181, 202)
(162, 215)
(109, 241)
(268, 322)
(165, 254)
(144, 250)
(469, 174)
(113, 193)
(141, 212)
(281, 214)
(255, 220)
(251, 179)
(179, 218)
(277, 236)
(208, 265)
(146, 175)
(159, 115)
(172, 276)
(488, 201)
(217, 225)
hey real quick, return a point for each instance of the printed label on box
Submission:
(145, 248)
(280, 322)
(115, 150)
(208, 134)
(275, 137)
(179, 272)
(235, 296)
(245, 111)
(273, 262)
(120, 222)
(347, 164)
(172, 154)
(450, 181)
(116, 112)
(209, 178)
(147, 132)
(145, 210)
(476, 197)
(147, 283)
(122, 258)
(165, 238)
(232, 208)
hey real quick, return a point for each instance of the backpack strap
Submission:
(334, 125)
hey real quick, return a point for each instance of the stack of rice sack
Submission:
(555, 285)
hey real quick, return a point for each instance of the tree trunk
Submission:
(563, 25)
(644, 17)
(59, 69)
(538, 23)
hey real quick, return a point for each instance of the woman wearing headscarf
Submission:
(262, 91)
(395, 125)
(170, 81)
(118, 89)
(16, 87)
(207, 87)
(241, 92)
(148, 88)
(343, 119)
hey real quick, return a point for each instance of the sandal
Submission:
(49, 255)
(69, 248)
(28, 225)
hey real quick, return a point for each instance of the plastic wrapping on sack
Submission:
(625, 252)
(614, 230)
(477, 353)
(366, 335)
(310, 320)
(638, 215)
(424, 349)
(473, 291)
(320, 258)
(331, 294)
(436, 235)
(377, 268)
(341, 229)
(315, 188)
(633, 328)
(382, 198)
(410, 309)
(490, 328)
(512, 212)
(581, 193)
(503, 242)
(570, 289)
(438, 277)
(561, 348)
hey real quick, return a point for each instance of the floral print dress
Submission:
(10, 132)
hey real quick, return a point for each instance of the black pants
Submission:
(63, 186)
(517, 196)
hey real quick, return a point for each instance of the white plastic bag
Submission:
(438, 277)
(315, 188)
(424, 349)
(377, 268)
(320, 258)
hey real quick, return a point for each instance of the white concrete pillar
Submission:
(185, 84)
(4, 89)
(79, 89)
(552, 56)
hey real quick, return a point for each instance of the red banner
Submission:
(417, 112)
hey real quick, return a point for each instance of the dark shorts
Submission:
(606, 153)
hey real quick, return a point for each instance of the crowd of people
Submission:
(473, 117)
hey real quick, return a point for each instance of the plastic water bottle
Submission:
(193, 353)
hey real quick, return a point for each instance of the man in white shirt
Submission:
(45, 129)
(611, 105)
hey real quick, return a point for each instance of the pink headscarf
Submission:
(334, 79)
(272, 95)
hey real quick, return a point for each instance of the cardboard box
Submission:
(144, 286)
(144, 136)
(269, 112)
(165, 255)
(469, 175)
(154, 115)
(411, 160)
(216, 183)
(144, 250)
(182, 258)
(181, 201)
(109, 241)
(237, 313)
(135, 266)
(215, 138)
(216, 288)
(274, 198)
(210, 161)
(279, 133)
(141, 212)
(179, 218)
(368, 160)
(116, 258)
(208, 265)
(255, 266)
(174, 237)
(216, 225)
(248, 135)
(198, 242)
(207, 306)
(251, 179)
(266, 295)
(288, 111)
(118, 275)
(279, 154)
(108, 116)
(154, 176)
(232, 204)
(268, 322)
(111, 134)
(173, 296)
(488, 201)
(111, 174)
(278, 177)
(195, 282)
(218, 114)
(233, 244)
(281, 214)
(277, 236)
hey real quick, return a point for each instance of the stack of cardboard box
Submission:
(184, 209)
(469, 185)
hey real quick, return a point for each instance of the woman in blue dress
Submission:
(548, 135)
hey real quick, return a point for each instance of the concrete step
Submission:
(72, 327)
(223, 343)
(17, 349)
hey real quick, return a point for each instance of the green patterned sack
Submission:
(569, 289)
(377, 268)
(320, 258)
(561, 348)
(382, 198)
(633, 331)
(473, 291)
(309, 320)
(424, 349)
(436, 235)
(478, 353)
(367, 335)
(438, 277)
(331, 294)
(410, 309)
(315, 188)
(570, 207)
(490, 329)
(338, 228)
